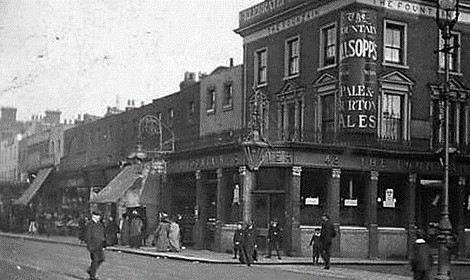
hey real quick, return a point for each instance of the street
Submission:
(24, 259)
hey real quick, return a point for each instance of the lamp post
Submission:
(450, 10)
(255, 146)
(151, 126)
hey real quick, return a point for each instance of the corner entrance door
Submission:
(266, 207)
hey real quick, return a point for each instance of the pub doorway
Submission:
(267, 205)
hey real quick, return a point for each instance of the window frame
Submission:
(440, 59)
(402, 98)
(211, 99)
(257, 67)
(290, 59)
(404, 44)
(171, 116)
(396, 83)
(228, 95)
(191, 111)
(323, 46)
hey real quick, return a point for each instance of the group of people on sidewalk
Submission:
(167, 234)
(99, 234)
(244, 242)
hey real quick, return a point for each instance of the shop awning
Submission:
(34, 187)
(118, 186)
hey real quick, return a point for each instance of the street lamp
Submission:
(152, 127)
(449, 9)
(255, 146)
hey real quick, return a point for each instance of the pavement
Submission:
(207, 256)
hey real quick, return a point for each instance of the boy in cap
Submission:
(95, 240)
(274, 238)
(238, 240)
(316, 243)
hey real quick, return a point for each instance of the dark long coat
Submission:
(238, 239)
(95, 237)
(111, 231)
(327, 233)
(248, 246)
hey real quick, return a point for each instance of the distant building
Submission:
(9, 171)
(222, 100)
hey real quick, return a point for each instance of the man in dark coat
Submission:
(421, 263)
(274, 238)
(327, 233)
(95, 240)
(238, 240)
(248, 245)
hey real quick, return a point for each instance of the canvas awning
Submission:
(34, 187)
(118, 186)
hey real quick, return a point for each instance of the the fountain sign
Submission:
(358, 75)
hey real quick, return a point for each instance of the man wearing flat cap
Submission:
(95, 240)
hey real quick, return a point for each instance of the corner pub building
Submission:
(351, 108)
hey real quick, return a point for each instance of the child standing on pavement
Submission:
(315, 242)
(238, 241)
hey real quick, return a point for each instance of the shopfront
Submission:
(374, 200)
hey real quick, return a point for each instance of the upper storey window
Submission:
(292, 57)
(228, 96)
(261, 66)
(395, 43)
(210, 105)
(328, 45)
(454, 53)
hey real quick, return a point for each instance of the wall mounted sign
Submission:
(350, 202)
(312, 201)
(389, 201)
(357, 71)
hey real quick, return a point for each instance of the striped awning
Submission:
(34, 187)
(118, 186)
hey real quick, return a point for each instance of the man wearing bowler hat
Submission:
(95, 241)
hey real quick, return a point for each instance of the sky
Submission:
(80, 56)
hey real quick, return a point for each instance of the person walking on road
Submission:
(421, 263)
(274, 238)
(327, 233)
(95, 241)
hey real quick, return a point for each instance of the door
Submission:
(266, 207)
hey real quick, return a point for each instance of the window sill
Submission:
(459, 73)
(210, 112)
(401, 66)
(227, 107)
(262, 85)
(322, 68)
(291, 77)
